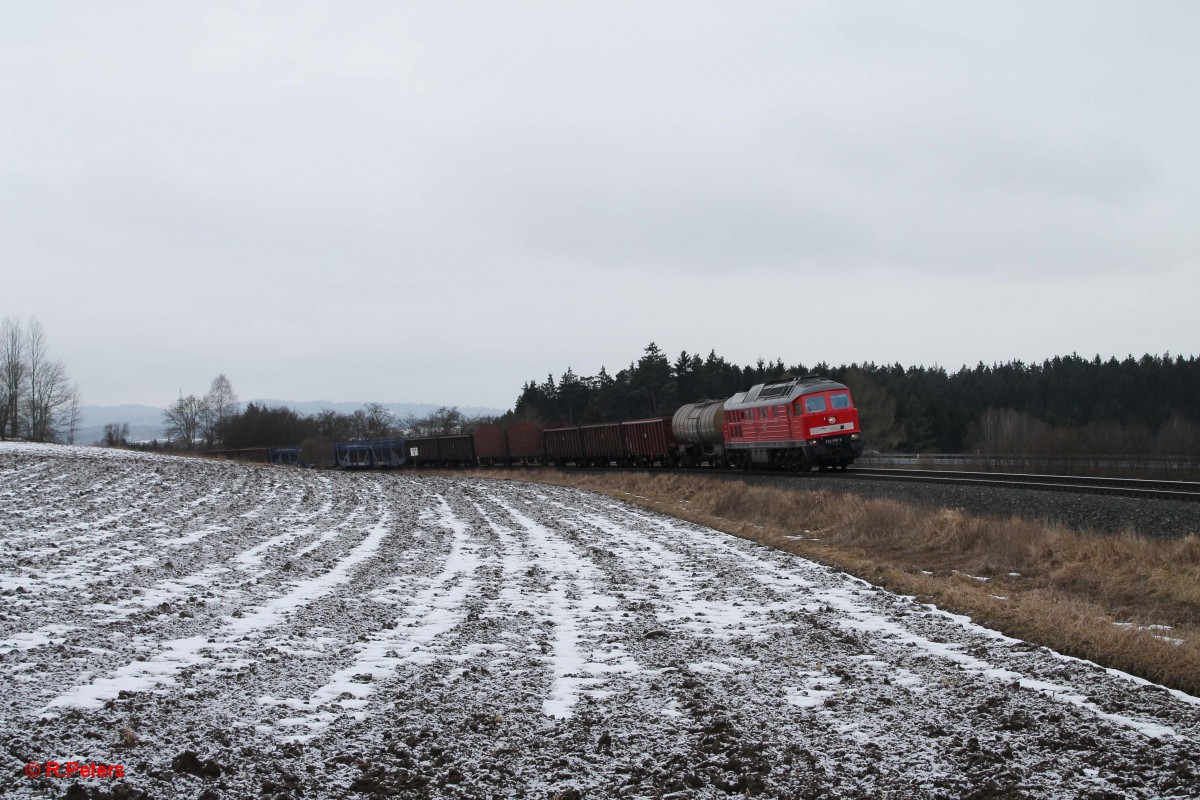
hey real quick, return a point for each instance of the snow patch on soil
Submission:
(339, 634)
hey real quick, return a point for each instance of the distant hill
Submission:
(145, 422)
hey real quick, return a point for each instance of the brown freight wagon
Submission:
(490, 448)
(650, 440)
(562, 445)
(602, 443)
(524, 443)
(456, 450)
(423, 451)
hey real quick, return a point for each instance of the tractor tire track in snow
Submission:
(331, 634)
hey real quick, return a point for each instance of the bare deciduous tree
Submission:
(47, 392)
(1008, 432)
(182, 420)
(446, 421)
(372, 422)
(12, 377)
(72, 417)
(218, 406)
(116, 434)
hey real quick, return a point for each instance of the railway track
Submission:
(1135, 488)
(1113, 487)
(1119, 487)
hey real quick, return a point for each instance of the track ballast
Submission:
(1119, 487)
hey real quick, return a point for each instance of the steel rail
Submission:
(1122, 487)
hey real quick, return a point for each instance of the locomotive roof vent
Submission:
(776, 390)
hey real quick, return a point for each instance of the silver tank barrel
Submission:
(700, 423)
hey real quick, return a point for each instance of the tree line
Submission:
(38, 401)
(1062, 406)
(214, 421)
(1065, 405)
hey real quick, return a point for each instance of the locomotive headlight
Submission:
(856, 436)
(831, 420)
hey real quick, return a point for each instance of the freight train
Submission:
(796, 424)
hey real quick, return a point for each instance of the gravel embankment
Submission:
(1083, 512)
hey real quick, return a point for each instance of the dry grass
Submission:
(1090, 596)
(126, 737)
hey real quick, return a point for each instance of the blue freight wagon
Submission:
(284, 455)
(371, 453)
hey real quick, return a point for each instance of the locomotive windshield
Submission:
(840, 400)
(814, 404)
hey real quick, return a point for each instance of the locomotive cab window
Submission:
(814, 404)
(840, 400)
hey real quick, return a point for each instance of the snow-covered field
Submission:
(222, 630)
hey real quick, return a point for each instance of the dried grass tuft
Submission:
(127, 737)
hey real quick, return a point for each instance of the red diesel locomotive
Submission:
(797, 424)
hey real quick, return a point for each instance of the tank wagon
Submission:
(699, 429)
(797, 424)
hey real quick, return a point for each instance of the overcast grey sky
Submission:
(439, 201)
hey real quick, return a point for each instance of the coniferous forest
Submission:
(1068, 405)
